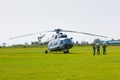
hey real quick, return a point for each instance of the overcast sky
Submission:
(19, 17)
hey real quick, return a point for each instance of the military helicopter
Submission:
(60, 41)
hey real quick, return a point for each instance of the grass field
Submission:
(80, 64)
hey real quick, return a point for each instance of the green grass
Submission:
(80, 64)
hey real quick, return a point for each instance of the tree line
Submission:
(37, 44)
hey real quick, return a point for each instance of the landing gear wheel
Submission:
(46, 51)
(66, 51)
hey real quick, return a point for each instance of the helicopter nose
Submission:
(68, 46)
(68, 43)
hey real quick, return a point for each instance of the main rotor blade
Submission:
(50, 31)
(23, 36)
(42, 36)
(84, 33)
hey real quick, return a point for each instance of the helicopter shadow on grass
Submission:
(58, 52)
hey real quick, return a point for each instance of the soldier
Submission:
(94, 48)
(98, 48)
(104, 48)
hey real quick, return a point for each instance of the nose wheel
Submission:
(46, 51)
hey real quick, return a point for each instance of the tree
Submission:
(84, 43)
(77, 43)
(4, 44)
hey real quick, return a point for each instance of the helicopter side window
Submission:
(55, 36)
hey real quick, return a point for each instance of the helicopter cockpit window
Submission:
(63, 36)
(61, 33)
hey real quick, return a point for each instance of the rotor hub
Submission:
(58, 30)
